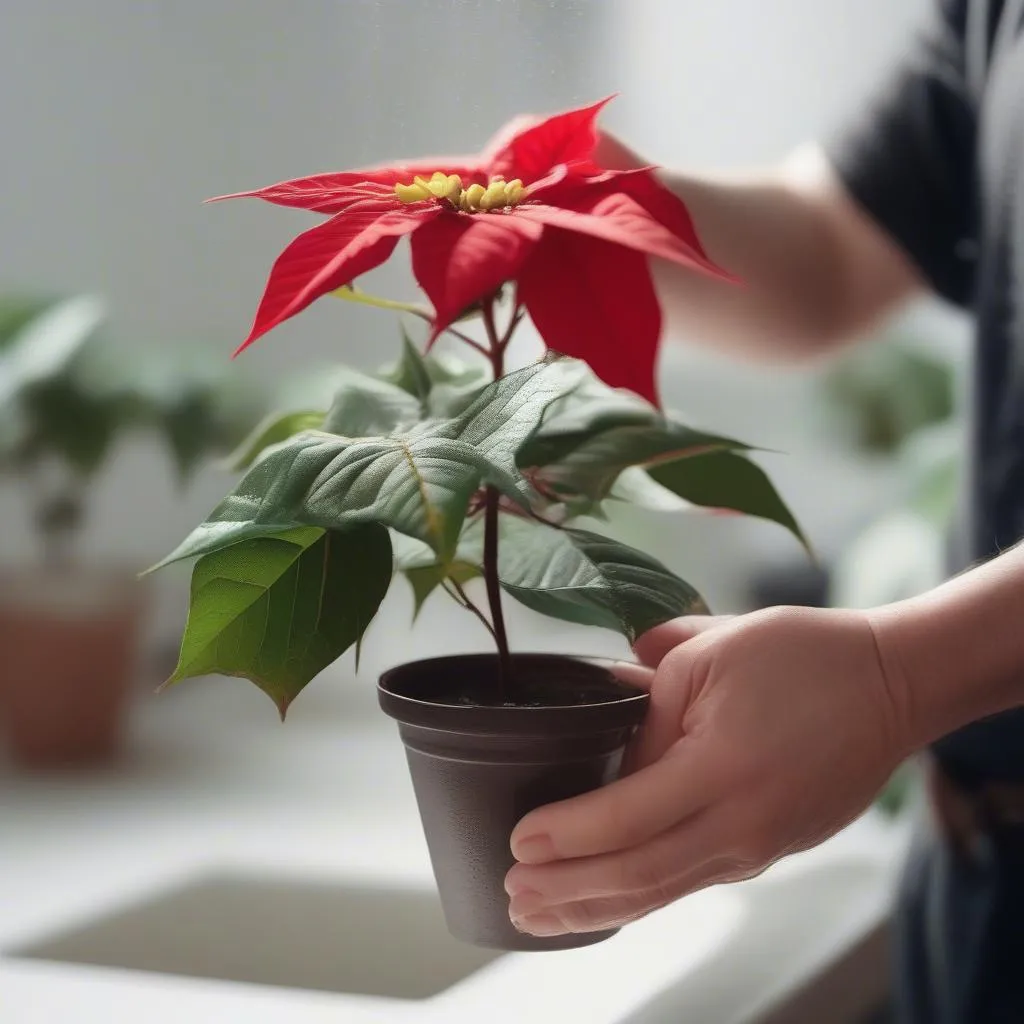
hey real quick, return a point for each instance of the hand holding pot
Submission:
(766, 734)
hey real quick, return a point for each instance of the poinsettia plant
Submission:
(467, 476)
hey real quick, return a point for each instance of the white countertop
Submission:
(212, 783)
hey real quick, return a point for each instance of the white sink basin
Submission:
(306, 934)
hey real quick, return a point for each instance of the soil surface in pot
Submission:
(537, 681)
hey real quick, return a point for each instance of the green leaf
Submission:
(189, 430)
(418, 483)
(636, 487)
(410, 373)
(588, 462)
(46, 346)
(588, 404)
(505, 414)
(585, 578)
(727, 480)
(454, 385)
(276, 428)
(365, 406)
(444, 386)
(419, 486)
(278, 610)
(64, 421)
(425, 579)
(17, 312)
(201, 410)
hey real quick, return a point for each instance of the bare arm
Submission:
(956, 654)
(817, 271)
(766, 734)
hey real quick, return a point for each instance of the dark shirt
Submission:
(938, 161)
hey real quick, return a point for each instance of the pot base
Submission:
(523, 943)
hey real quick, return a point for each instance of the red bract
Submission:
(574, 237)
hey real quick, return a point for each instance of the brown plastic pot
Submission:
(68, 656)
(478, 766)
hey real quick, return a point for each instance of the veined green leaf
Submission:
(365, 406)
(419, 486)
(279, 609)
(587, 403)
(587, 463)
(727, 480)
(362, 406)
(418, 483)
(273, 430)
(505, 414)
(583, 577)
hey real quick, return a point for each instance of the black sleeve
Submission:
(909, 160)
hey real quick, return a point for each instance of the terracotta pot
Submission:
(68, 658)
(478, 766)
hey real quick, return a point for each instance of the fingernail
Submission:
(534, 850)
(539, 924)
(525, 902)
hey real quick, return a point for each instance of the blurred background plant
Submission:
(70, 631)
(897, 401)
(68, 394)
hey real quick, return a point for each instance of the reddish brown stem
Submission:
(496, 353)
(493, 583)
(461, 597)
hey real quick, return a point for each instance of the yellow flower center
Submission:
(497, 195)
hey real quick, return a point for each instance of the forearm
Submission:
(815, 271)
(956, 654)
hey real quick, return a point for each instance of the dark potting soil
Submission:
(533, 685)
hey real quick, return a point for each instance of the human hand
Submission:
(766, 734)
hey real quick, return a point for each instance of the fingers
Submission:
(631, 674)
(620, 815)
(593, 893)
(657, 642)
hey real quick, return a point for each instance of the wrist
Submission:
(955, 654)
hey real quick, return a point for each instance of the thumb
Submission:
(672, 691)
(657, 642)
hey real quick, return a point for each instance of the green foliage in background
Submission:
(884, 394)
(68, 393)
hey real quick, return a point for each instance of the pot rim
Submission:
(621, 712)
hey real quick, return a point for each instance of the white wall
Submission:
(711, 83)
(120, 116)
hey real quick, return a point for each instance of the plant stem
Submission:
(467, 340)
(454, 332)
(496, 353)
(491, 578)
(462, 598)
